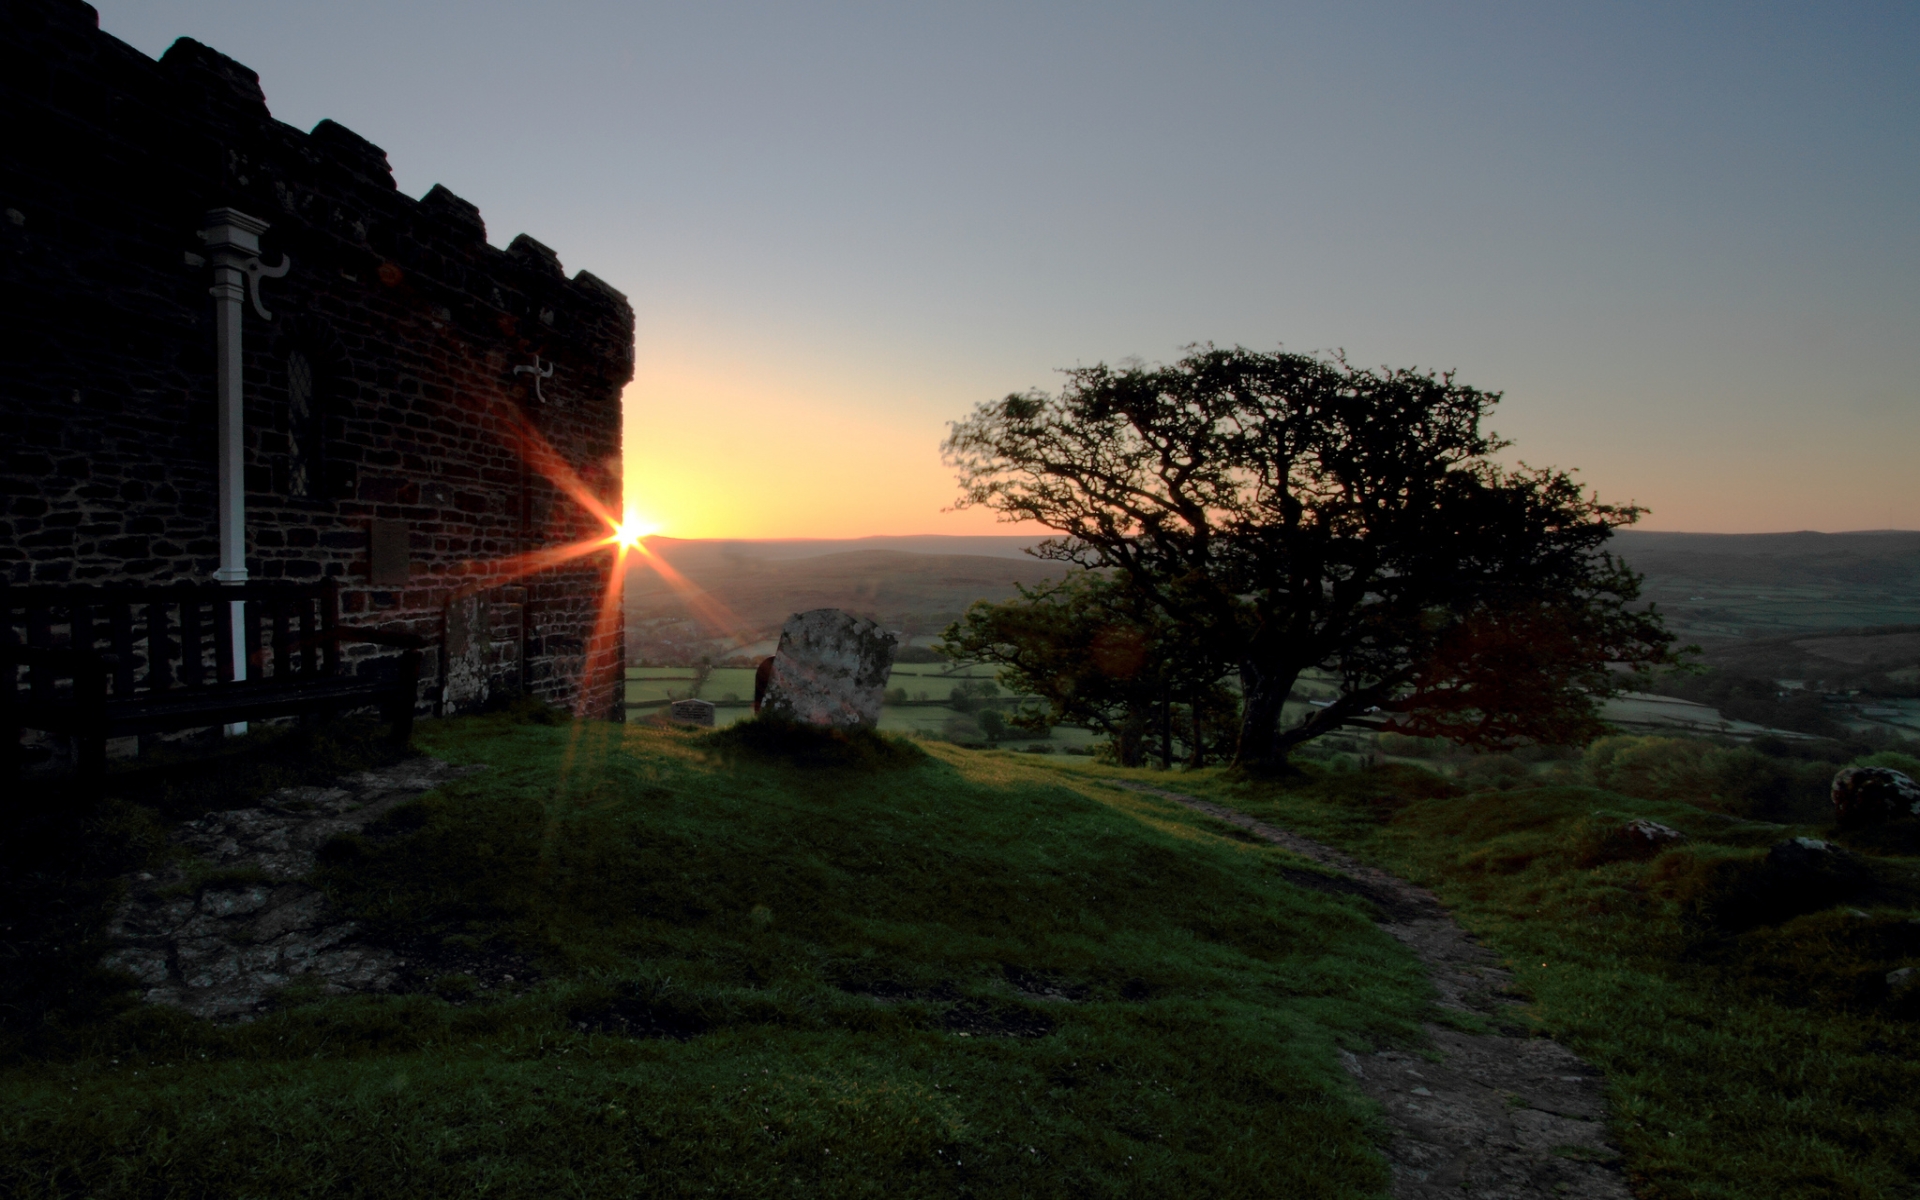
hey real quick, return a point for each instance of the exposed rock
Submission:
(831, 669)
(1806, 857)
(1806, 874)
(258, 923)
(1901, 979)
(1867, 796)
(1643, 834)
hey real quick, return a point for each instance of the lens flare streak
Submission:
(706, 608)
(623, 537)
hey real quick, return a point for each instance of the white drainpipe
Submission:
(233, 241)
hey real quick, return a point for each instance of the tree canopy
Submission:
(1291, 512)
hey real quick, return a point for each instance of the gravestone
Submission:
(831, 669)
(692, 712)
(469, 651)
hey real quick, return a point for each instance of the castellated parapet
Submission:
(384, 417)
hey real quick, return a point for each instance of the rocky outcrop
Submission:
(1645, 835)
(1868, 796)
(218, 934)
(831, 669)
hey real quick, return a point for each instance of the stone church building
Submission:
(414, 413)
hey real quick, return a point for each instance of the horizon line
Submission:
(869, 537)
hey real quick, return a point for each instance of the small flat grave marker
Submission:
(692, 712)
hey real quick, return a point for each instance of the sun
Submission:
(629, 532)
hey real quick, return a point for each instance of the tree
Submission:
(966, 695)
(1292, 512)
(992, 724)
(1097, 654)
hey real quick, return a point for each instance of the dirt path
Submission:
(1502, 1116)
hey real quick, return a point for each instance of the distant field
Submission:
(754, 594)
(1722, 586)
(1639, 712)
(649, 688)
(1708, 613)
(731, 690)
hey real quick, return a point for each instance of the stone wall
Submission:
(382, 389)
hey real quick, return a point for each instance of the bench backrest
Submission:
(164, 636)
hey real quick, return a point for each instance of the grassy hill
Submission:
(767, 967)
(900, 972)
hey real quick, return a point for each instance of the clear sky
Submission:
(1684, 239)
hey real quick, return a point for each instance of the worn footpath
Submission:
(1500, 1116)
(219, 933)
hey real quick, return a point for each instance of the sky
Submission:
(1683, 240)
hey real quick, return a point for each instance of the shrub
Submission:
(1401, 746)
(966, 695)
(1734, 780)
(1892, 759)
(1495, 772)
(1730, 894)
(962, 729)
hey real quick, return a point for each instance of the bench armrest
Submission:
(379, 637)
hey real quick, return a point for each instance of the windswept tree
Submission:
(1294, 512)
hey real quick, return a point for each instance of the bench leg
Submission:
(406, 692)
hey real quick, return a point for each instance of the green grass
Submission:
(762, 975)
(1746, 1055)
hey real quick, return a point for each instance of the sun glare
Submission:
(629, 532)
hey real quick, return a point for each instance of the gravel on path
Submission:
(224, 949)
(1500, 1116)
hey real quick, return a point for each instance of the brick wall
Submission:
(382, 389)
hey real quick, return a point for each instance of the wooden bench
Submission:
(99, 662)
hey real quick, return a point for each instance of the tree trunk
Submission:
(1127, 741)
(1197, 746)
(1264, 691)
(1166, 730)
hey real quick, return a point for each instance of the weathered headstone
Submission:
(831, 669)
(469, 639)
(692, 712)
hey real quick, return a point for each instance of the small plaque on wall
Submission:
(390, 559)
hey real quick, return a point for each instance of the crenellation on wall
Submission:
(408, 322)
